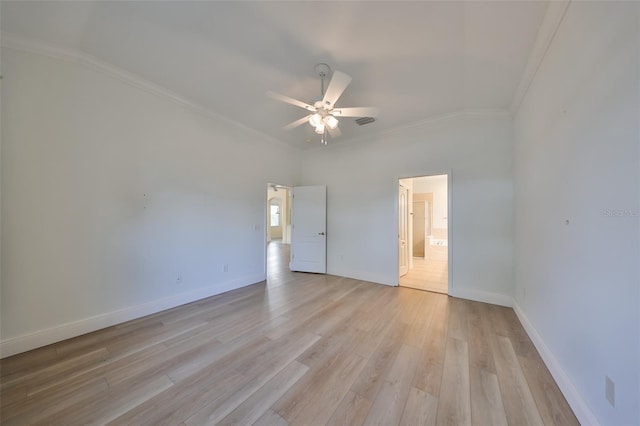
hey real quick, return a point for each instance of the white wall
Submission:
(577, 159)
(362, 190)
(117, 202)
(437, 185)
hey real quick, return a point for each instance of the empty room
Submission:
(319, 212)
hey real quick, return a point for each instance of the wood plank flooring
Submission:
(297, 349)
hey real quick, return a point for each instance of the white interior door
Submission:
(309, 229)
(403, 230)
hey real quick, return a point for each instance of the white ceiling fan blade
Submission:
(287, 99)
(337, 85)
(335, 133)
(355, 112)
(297, 123)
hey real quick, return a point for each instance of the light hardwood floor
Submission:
(298, 349)
(430, 272)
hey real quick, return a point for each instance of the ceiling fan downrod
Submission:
(322, 70)
(322, 73)
(323, 118)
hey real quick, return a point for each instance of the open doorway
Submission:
(423, 230)
(278, 227)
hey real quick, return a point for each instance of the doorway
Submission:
(278, 230)
(423, 233)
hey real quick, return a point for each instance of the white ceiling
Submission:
(413, 60)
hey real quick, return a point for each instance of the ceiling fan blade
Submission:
(337, 85)
(355, 112)
(335, 133)
(283, 98)
(297, 123)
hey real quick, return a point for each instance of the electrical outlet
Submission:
(225, 267)
(610, 391)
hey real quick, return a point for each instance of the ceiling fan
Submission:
(323, 113)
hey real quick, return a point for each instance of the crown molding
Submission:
(15, 42)
(493, 113)
(556, 12)
(490, 113)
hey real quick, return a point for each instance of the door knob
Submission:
(320, 233)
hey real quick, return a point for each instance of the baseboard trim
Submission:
(578, 405)
(482, 296)
(61, 332)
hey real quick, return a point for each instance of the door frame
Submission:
(450, 224)
(408, 241)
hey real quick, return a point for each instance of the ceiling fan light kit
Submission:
(323, 118)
